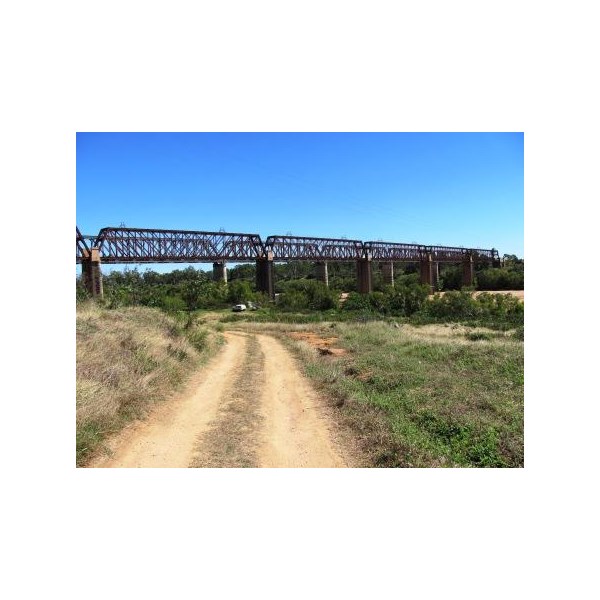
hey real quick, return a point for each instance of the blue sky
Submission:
(457, 189)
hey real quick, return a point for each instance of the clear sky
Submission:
(456, 189)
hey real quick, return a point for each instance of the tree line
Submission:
(295, 283)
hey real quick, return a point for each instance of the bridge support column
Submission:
(427, 276)
(321, 272)
(364, 276)
(435, 273)
(496, 262)
(92, 274)
(468, 277)
(265, 280)
(220, 271)
(388, 273)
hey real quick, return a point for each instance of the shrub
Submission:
(398, 301)
(451, 277)
(239, 291)
(293, 300)
(81, 293)
(356, 301)
(307, 294)
(378, 301)
(500, 279)
(172, 304)
(414, 298)
(452, 305)
(461, 306)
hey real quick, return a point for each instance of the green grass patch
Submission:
(419, 401)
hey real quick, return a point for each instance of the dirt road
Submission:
(249, 407)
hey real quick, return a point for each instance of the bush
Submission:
(415, 297)
(293, 300)
(307, 294)
(239, 291)
(453, 305)
(451, 278)
(172, 304)
(399, 301)
(461, 306)
(500, 279)
(81, 293)
(356, 301)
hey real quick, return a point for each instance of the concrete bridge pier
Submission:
(427, 274)
(468, 277)
(496, 260)
(321, 272)
(220, 271)
(364, 276)
(265, 277)
(92, 274)
(388, 273)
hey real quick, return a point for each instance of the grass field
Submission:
(429, 396)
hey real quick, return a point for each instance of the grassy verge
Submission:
(428, 396)
(127, 360)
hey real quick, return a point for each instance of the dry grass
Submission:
(127, 360)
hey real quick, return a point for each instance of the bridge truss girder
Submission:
(82, 250)
(286, 247)
(127, 245)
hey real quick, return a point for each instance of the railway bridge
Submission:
(127, 245)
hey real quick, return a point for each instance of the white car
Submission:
(239, 308)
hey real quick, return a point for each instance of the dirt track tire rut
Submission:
(249, 407)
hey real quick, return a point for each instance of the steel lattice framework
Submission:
(127, 245)
(481, 255)
(81, 248)
(392, 251)
(287, 247)
(450, 254)
(395, 252)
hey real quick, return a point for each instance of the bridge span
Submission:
(115, 245)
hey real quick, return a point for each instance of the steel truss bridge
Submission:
(128, 245)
